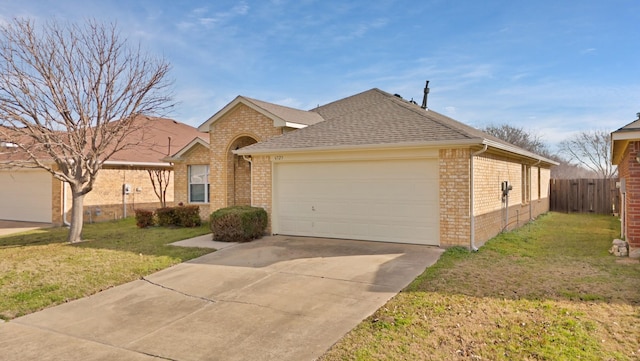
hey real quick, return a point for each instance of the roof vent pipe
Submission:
(426, 93)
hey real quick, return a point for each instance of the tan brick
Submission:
(106, 201)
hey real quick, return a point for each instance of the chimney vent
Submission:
(426, 93)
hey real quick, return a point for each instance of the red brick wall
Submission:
(629, 169)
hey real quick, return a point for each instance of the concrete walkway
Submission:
(278, 298)
(204, 241)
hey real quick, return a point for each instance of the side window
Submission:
(198, 184)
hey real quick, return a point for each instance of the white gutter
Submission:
(449, 143)
(248, 159)
(435, 144)
(472, 237)
(516, 150)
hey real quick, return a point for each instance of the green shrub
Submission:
(187, 216)
(238, 224)
(144, 218)
(181, 216)
(166, 216)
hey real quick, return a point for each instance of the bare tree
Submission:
(160, 182)
(591, 149)
(518, 137)
(69, 97)
(565, 170)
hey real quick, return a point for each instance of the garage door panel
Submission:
(26, 196)
(393, 201)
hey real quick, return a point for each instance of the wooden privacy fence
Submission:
(584, 196)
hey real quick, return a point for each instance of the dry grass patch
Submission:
(38, 269)
(549, 291)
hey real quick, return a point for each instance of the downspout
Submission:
(64, 205)
(472, 238)
(248, 159)
(531, 190)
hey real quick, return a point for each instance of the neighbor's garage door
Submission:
(25, 196)
(390, 201)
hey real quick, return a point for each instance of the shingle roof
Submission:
(151, 139)
(633, 126)
(156, 144)
(281, 115)
(376, 118)
(287, 113)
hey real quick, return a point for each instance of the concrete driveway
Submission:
(11, 227)
(278, 298)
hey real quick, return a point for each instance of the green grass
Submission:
(549, 291)
(38, 269)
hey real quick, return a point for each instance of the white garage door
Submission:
(25, 195)
(390, 201)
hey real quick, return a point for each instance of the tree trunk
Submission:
(77, 214)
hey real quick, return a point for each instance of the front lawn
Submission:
(549, 291)
(38, 269)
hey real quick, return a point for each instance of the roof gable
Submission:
(186, 149)
(621, 138)
(282, 116)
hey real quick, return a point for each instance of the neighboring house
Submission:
(34, 195)
(371, 166)
(625, 153)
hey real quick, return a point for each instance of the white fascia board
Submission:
(295, 125)
(438, 144)
(628, 135)
(277, 121)
(519, 151)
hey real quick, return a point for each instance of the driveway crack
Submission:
(264, 306)
(177, 291)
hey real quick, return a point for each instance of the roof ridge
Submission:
(343, 99)
(425, 113)
(453, 124)
(254, 100)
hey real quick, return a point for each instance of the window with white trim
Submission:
(198, 184)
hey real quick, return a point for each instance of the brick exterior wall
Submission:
(240, 126)
(198, 155)
(261, 181)
(629, 170)
(454, 197)
(490, 170)
(239, 175)
(490, 211)
(106, 201)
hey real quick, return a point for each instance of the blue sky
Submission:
(551, 67)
